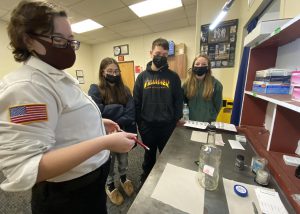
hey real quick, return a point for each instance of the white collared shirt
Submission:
(72, 117)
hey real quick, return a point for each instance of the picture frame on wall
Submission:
(80, 80)
(80, 76)
(79, 73)
(220, 43)
(121, 50)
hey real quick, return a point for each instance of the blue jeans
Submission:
(122, 165)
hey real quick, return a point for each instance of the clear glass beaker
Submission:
(209, 162)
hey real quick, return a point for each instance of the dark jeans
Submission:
(82, 195)
(155, 136)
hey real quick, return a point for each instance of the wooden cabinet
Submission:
(178, 63)
(272, 122)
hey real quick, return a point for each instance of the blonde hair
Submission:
(191, 81)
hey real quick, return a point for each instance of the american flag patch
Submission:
(28, 113)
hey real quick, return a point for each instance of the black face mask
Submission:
(112, 79)
(160, 61)
(200, 70)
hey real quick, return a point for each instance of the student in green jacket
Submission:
(202, 92)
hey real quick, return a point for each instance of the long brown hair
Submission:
(191, 82)
(112, 94)
(27, 18)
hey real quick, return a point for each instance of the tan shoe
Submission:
(127, 187)
(115, 196)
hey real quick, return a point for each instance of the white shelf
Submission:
(263, 30)
(283, 100)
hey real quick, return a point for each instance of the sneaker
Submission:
(127, 187)
(115, 196)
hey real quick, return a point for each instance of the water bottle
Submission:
(185, 112)
(209, 162)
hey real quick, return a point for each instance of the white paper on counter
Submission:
(269, 201)
(201, 137)
(236, 144)
(198, 136)
(179, 188)
(238, 204)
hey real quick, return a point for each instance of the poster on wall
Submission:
(219, 44)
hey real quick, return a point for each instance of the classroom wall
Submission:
(207, 11)
(6, 58)
(83, 59)
(139, 47)
(289, 8)
(89, 56)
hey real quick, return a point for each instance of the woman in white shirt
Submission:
(53, 138)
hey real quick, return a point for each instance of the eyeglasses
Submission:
(113, 72)
(60, 42)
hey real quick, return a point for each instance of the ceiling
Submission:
(118, 20)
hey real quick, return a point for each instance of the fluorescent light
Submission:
(85, 25)
(217, 20)
(150, 7)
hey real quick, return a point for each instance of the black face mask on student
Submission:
(200, 70)
(160, 61)
(112, 79)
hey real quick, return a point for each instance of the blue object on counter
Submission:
(240, 190)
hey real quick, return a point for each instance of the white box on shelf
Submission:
(262, 30)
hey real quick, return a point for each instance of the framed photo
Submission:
(220, 43)
(80, 80)
(79, 73)
(121, 50)
(124, 50)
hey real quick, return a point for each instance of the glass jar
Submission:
(209, 162)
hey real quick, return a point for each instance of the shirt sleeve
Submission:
(128, 117)
(95, 95)
(217, 97)
(138, 97)
(22, 144)
(177, 98)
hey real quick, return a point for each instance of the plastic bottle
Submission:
(185, 112)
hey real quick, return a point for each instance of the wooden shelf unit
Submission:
(283, 132)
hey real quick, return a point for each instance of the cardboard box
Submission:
(180, 49)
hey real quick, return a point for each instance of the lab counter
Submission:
(182, 152)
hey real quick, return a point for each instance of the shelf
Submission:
(263, 30)
(283, 100)
(282, 35)
(271, 121)
(283, 173)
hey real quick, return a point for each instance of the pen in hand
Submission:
(140, 143)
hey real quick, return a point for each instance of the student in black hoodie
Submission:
(158, 103)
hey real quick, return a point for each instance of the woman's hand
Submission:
(120, 142)
(110, 126)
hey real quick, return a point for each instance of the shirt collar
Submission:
(47, 69)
